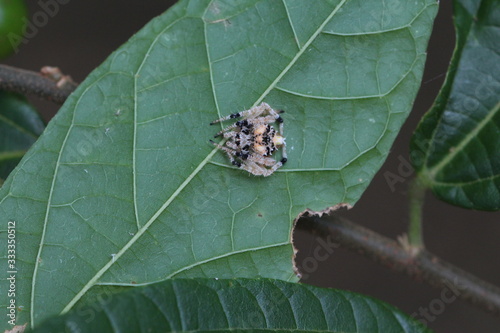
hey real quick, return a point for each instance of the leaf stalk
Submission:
(416, 197)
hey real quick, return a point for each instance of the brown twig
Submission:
(49, 84)
(422, 266)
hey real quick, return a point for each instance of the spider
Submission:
(252, 140)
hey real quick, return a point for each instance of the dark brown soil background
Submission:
(83, 33)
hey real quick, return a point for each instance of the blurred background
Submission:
(83, 33)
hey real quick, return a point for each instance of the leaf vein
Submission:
(432, 172)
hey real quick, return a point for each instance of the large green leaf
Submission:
(124, 188)
(456, 146)
(203, 305)
(20, 126)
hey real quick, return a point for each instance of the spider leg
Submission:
(261, 121)
(231, 136)
(230, 153)
(245, 125)
(256, 111)
(258, 170)
(284, 157)
(274, 168)
(248, 114)
(231, 145)
(267, 161)
(239, 143)
(251, 113)
(252, 163)
(271, 118)
(254, 168)
(225, 130)
(258, 165)
(275, 115)
(231, 116)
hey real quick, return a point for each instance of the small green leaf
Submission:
(202, 305)
(124, 187)
(20, 127)
(456, 146)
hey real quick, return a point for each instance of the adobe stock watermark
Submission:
(372, 24)
(324, 249)
(484, 92)
(48, 9)
(405, 168)
(11, 273)
(428, 314)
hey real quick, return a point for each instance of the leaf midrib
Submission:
(47, 210)
(18, 127)
(202, 164)
(466, 183)
(7, 156)
(433, 171)
(447, 88)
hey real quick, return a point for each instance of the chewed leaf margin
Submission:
(124, 189)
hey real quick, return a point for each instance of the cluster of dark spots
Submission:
(250, 140)
(243, 156)
(242, 123)
(266, 139)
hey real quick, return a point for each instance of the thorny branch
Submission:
(420, 265)
(49, 83)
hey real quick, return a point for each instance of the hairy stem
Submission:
(416, 201)
(422, 266)
(49, 84)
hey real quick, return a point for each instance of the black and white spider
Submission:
(252, 140)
